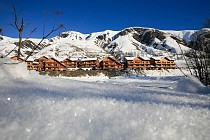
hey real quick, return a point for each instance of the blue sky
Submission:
(88, 16)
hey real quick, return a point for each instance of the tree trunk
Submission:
(19, 44)
(20, 38)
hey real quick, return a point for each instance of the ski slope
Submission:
(159, 106)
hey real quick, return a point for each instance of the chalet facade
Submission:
(44, 64)
(163, 63)
(71, 64)
(36, 64)
(111, 63)
(138, 63)
(41, 63)
(89, 64)
(53, 64)
(32, 65)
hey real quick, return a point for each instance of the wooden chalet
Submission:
(89, 64)
(44, 64)
(163, 63)
(41, 63)
(110, 63)
(71, 64)
(138, 63)
(53, 64)
(29, 65)
(32, 65)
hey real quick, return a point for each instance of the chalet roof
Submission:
(52, 59)
(156, 58)
(88, 59)
(56, 61)
(170, 59)
(113, 58)
(145, 58)
(43, 57)
(130, 58)
(60, 58)
(159, 58)
(71, 59)
(30, 59)
(35, 62)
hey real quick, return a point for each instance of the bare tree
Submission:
(54, 29)
(185, 59)
(20, 28)
(200, 57)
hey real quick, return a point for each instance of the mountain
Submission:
(133, 41)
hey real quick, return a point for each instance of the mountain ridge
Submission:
(132, 41)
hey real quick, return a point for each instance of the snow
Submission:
(186, 35)
(88, 59)
(164, 106)
(172, 44)
(75, 45)
(125, 43)
(130, 58)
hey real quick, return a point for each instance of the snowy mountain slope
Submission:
(133, 41)
(152, 41)
(75, 44)
(185, 35)
(156, 107)
(9, 46)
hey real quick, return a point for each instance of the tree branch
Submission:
(44, 37)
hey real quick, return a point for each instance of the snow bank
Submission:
(15, 69)
(142, 107)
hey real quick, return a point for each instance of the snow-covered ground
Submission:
(153, 107)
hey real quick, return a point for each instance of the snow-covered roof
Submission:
(159, 58)
(156, 58)
(42, 57)
(145, 58)
(73, 59)
(35, 62)
(169, 58)
(60, 58)
(31, 58)
(88, 59)
(130, 58)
